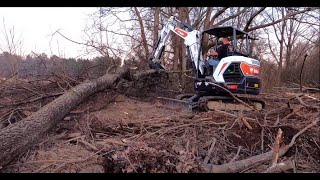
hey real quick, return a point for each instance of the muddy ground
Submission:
(130, 131)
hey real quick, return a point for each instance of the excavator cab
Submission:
(237, 72)
(240, 40)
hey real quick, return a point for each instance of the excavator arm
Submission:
(191, 40)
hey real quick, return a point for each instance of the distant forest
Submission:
(41, 66)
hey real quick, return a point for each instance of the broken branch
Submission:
(275, 153)
(281, 167)
(206, 159)
(237, 166)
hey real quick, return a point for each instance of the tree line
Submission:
(285, 36)
(41, 66)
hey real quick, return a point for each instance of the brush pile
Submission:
(113, 131)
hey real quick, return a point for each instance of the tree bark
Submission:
(19, 137)
(206, 26)
(156, 25)
(175, 44)
(281, 48)
(143, 35)
(183, 13)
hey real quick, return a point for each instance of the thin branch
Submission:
(230, 17)
(206, 159)
(252, 17)
(218, 13)
(282, 19)
(239, 100)
(305, 57)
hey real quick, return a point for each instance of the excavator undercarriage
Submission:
(208, 103)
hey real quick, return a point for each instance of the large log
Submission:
(19, 137)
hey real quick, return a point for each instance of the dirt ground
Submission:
(116, 132)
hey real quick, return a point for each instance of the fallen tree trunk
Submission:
(19, 137)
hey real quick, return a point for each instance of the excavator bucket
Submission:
(177, 104)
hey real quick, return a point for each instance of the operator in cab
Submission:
(214, 57)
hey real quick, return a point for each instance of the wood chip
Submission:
(245, 122)
(68, 118)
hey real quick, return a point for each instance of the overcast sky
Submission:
(36, 24)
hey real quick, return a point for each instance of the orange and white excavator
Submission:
(232, 85)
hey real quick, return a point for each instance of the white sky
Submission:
(38, 23)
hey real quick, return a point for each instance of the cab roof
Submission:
(224, 31)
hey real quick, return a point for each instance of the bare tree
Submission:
(156, 25)
(143, 36)
(12, 47)
(288, 35)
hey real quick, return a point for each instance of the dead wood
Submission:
(19, 137)
(237, 166)
(275, 153)
(281, 167)
(303, 103)
(245, 122)
(301, 70)
(295, 110)
(206, 159)
(236, 156)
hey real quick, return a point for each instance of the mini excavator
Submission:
(232, 85)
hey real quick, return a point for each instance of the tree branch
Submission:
(218, 13)
(305, 57)
(252, 17)
(282, 19)
(230, 17)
